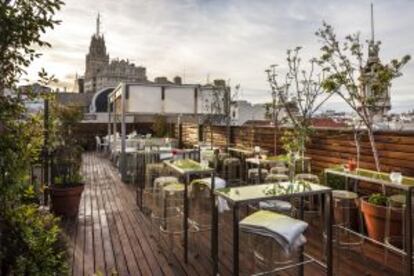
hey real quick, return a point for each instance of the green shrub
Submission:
(378, 199)
(336, 182)
(160, 126)
(32, 243)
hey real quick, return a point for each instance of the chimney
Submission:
(161, 80)
(178, 80)
(220, 83)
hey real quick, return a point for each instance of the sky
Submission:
(235, 40)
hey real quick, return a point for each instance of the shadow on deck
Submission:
(111, 235)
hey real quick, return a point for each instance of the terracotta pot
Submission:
(65, 201)
(375, 216)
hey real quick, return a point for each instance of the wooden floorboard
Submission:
(110, 234)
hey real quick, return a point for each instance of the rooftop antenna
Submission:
(372, 23)
(98, 23)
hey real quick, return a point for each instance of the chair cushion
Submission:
(218, 182)
(276, 205)
(287, 231)
(279, 170)
(174, 188)
(276, 178)
(343, 194)
(162, 181)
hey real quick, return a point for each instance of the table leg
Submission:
(246, 172)
(214, 238)
(236, 215)
(301, 217)
(347, 183)
(213, 208)
(260, 173)
(328, 225)
(408, 234)
(187, 182)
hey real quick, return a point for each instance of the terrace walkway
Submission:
(111, 235)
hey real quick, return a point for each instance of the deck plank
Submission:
(108, 251)
(88, 224)
(121, 264)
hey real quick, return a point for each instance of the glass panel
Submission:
(263, 191)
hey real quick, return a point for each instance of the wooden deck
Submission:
(110, 235)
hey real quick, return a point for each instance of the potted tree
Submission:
(67, 185)
(374, 210)
(299, 93)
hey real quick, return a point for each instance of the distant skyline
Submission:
(231, 39)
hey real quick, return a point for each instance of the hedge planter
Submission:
(65, 201)
(375, 220)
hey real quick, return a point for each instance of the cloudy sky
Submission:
(231, 39)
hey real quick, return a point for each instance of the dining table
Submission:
(250, 194)
(383, 180)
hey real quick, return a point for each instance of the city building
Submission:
(243, 111)
(377, 97)
(101, 72)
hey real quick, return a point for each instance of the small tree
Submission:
(160, 126)
(361, 82)
(218, 107)
(273, 112)
(299, 92)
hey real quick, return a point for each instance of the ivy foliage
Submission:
(30, 238)
(34, 242)
(22, 24)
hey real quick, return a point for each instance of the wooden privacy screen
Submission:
(326, 148)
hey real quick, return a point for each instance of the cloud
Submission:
(230, 39)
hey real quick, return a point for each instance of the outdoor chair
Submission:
(131, 168)
(274, 241)
(172, 222)
(312, 203)
(152, 172)
(159, 204)
(232, 171)
(201, 204)
(253, 175)
(276, 205)
(101, 146)
(347, 218)
(302, 165)
(394, 237)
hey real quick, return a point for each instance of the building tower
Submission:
(376, 96)
(96, 59)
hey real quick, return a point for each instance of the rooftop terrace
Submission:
(111, 234)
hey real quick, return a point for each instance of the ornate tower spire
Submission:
(98, 23)
(373, 47)
(372, 23)
(377, 97)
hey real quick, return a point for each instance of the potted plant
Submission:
(67, 185)
(374, 210)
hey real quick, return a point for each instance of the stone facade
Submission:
(100, 72)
